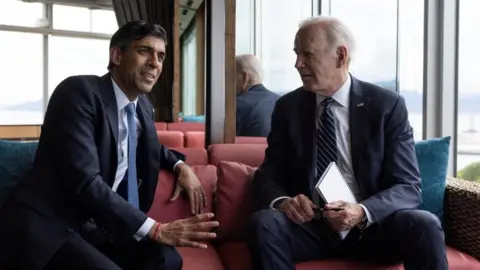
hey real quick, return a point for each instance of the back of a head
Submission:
(249, 64)
(334, 30)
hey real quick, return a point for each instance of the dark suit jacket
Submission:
(254, 111)
(382, 148)
(74, 170)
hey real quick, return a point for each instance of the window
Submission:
(410, 61)
(468, 121)
(84, 19)
(21, 97)
(76, 56)
(375, 57)
(32, 14)
(279, 21)
(380, 56)
(244, 27)
(189, 71)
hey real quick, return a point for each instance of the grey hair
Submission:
(251, 65)
(336, 32)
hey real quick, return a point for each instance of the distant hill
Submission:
(26, 106)
(468, 103)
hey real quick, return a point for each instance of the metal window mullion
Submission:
(258, 29)
(397, 44)
(54, 32)
(216, 21)
(440, 73)
(48, 8)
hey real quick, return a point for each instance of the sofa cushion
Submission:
(16, 159)
(160, 126)
(250, 140)
(163, 210)
(200, 259)
(234, 199)
(170, 138)
(186, 126)
(195, 139)
(194, 156)
(235, 256)
(250, 154)
(432, 158)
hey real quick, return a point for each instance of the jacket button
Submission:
(70, 230)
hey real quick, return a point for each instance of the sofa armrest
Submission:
(462, 215)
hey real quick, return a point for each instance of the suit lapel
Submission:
(110, 102)
(149, 132)
(309, 114)
(359, 130)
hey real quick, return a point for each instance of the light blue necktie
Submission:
(132, 188)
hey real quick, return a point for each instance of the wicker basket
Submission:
(462, 215)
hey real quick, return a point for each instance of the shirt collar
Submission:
(121, 98)
(342, 96)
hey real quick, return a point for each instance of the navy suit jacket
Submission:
(74, 170)
(254, 111)
(382, 147)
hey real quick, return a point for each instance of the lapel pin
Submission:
(360, 105)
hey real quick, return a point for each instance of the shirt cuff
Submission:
(146, 227)
(367, 215)
(176, 164)
(276, 200)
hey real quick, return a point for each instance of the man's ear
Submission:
(341, 56)
(246, 79)
(116, 55)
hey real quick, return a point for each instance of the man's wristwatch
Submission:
(363, 224)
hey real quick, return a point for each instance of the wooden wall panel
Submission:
(176, 59)
(230, 96)
(200, 85)
(20, 132)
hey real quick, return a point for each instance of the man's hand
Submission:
(345, 219)
(184, 232)
(188, 181)
(299, 209)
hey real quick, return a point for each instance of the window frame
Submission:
(48, 31)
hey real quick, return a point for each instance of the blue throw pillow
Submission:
(16, 159)
(432, 157)
(194, 118)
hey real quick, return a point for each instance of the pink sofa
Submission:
(226, 171)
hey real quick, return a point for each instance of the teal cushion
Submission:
(432, 157)
(16, 159)
(194, 118)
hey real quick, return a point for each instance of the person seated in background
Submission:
(364, 129)
(95, 173)
(254, 102)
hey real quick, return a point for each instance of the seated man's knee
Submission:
(422, 222)
(173, 259)
(267, 222)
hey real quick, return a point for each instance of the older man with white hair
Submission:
(254, 101)
(364, 129)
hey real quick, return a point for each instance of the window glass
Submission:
(76, 56)
(21, 95)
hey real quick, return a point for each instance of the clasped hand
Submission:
(185, 232)
(341, 215)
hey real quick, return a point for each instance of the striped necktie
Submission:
(326, 139)
(326, 153)
(132, 188)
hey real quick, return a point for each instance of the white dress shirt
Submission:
(122, 149)
(340, 111)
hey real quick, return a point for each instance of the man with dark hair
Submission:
(95, 173)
